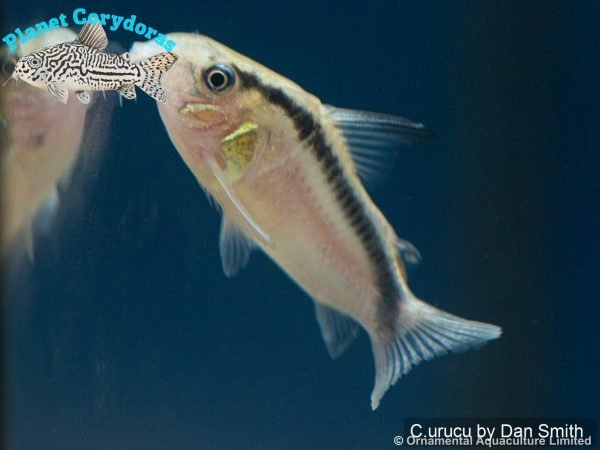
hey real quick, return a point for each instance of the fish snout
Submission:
(18, 72)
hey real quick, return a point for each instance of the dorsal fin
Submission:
(373, 137)
(92, 36)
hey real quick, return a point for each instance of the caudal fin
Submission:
(153, 69)
(422, 333)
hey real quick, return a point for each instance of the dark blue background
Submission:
(125, 334)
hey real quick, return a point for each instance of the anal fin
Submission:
(128, 91)
(337, 329)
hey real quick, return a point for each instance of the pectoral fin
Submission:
(235, 247)
(59, 90)
(253, 227)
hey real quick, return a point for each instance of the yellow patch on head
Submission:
(202, 116)
(239, 149)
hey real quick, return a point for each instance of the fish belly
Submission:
(313, 243)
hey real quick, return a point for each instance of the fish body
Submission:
(280, 165)
(38, 151)
(82, 66)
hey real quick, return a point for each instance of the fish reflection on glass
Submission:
(280, 165)
(41, 141)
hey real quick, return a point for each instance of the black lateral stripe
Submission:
(310, 130)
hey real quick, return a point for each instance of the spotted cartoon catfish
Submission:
(82, 66)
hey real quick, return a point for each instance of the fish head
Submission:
(32, 65)
(209, 114)
(32, 69)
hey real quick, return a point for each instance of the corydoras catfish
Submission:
(83, 66)
(279, 163)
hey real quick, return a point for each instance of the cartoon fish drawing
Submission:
(82, 66)
(280, 165)
(39, 153)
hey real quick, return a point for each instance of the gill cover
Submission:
(239, 149)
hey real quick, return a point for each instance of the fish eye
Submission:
(8, 65)
(219, 78)
(35, 62)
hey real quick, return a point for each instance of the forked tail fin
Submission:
(153, 69)
(422, 333)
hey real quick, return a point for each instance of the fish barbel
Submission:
(83, 66)
(280, 165)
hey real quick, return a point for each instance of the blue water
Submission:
(125, 334)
